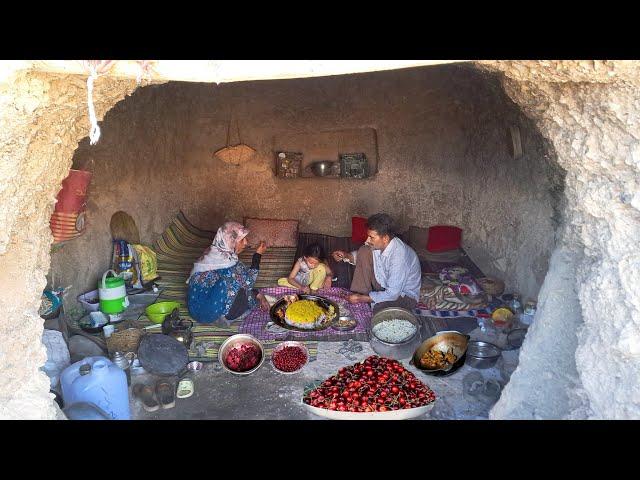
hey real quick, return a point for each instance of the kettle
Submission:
(180, 329)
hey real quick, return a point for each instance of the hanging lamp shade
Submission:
(236, 155)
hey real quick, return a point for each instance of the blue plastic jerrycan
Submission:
(99, 381)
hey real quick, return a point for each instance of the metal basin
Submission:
(239, 339)
(397, 351)
(482, 354)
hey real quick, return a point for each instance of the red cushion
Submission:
(358, 229)
(443, 238)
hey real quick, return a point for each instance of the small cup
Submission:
(108, 330)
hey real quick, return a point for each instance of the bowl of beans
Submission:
(289, 357)
(395, 333)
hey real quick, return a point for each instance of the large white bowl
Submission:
(403, 414)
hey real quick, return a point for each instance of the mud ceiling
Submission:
(581, 357)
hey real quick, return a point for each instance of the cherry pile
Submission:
(378, 384)
(243, 357)
(289, 358)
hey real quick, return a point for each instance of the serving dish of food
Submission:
(377, 388)
(442, 354)
(304, 312)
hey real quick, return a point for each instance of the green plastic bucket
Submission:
(112, 293)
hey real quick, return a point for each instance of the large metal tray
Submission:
(321, 301)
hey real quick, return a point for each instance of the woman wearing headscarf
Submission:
(220, 284)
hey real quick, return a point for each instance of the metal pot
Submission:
(397, 351)
(322, 169)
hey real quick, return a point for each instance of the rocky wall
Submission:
(43, 118)
(590, 111)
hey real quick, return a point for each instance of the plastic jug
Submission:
(99, 381)
(112, 293)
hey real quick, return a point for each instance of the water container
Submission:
(85, 411)
(97, 380)
(112, 293)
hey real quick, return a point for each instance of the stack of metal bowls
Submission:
(397, 351)
(237, 340)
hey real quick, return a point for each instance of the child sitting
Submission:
(310, 272)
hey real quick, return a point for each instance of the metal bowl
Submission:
(442, 342)
(235, 340)
(397, 351)
(322, 168)
(290, 344)
(482, 354)
(344, 318)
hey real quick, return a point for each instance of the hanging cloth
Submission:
(235, 154)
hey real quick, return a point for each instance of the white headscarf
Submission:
(222, 252)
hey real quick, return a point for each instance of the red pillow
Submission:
(443, 238)
(358, 229)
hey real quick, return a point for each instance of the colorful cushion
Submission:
(277, 233)
(443, 238)
(358, 230)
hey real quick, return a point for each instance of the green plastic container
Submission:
(157, 311)
(112, 293)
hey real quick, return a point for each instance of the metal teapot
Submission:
(178, 328)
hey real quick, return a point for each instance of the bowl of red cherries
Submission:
(289, 357)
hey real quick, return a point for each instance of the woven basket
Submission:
(125, 340)
(492, 286)
(236, 155)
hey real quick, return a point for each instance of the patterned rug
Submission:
(178, 247)
(256, 322)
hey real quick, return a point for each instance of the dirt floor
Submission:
(268, 395)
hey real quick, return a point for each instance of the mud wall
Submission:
(442, 148)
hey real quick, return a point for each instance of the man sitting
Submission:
(387, 270)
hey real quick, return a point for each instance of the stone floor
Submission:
(267, 394)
